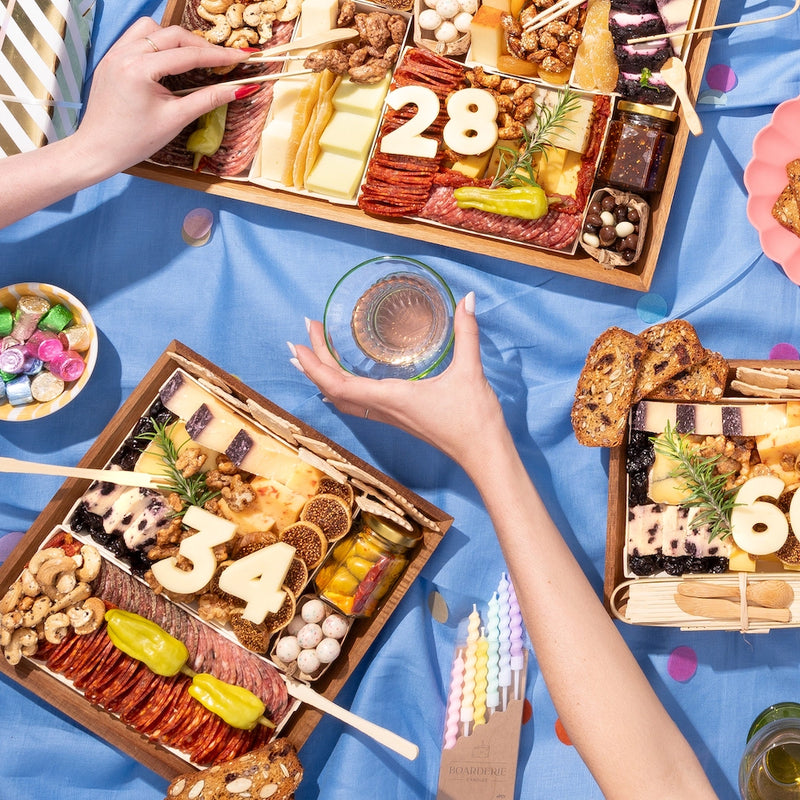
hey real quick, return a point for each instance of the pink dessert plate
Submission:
(765, 177)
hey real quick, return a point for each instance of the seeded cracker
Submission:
(272, 771)
(379, 510)
(672, 347)
(320, 448)
(605, 388)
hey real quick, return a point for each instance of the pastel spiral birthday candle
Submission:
(453, 713)
(481, 667)
(504, 607)
(468, 693)
(517, 649)
(493, 663)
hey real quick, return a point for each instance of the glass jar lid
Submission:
(390, 531)
(650, 111)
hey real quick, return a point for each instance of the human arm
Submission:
(129, 116)
(590, 672)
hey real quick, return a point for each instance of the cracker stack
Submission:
(665, 362)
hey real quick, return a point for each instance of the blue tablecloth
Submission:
(238, 299)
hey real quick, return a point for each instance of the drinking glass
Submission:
(770, 766)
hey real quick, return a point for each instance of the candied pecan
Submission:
(529, 42)
(559, 29)
(174, 502)
(524, 110)
(213, 608)
(347, 14)
(553, 64)
(566, 54)
(510, 25)
(548, 41)
(509, 85)
(158, 551)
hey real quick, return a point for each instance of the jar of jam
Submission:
(365, 565)
(638, 147)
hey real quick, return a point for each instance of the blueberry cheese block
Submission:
(661, 538)
(633, 58)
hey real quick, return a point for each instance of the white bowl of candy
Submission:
(48, 349)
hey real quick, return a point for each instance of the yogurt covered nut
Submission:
(308, 662)
(335, 626)
(313, 611)
(309, 636)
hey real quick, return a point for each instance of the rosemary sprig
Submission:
(706, 486)
(191, 490)
(516, 167)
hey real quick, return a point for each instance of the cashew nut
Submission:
(80, 592)
(221, 30)
(30, 586)
(243, 37)
(90, 568)
(37, 559)
(11, 598)
(290, 11)
(12, 620)
(235, 15)
(5, 637)
(23, 643)
(56, 627)
(213, 7)
(50, 575)
(39, 610)
(252, 14)
(86, 618)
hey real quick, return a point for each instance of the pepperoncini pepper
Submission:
(165, 655)
(145, 641)
(239, 707)
(207, 137)
(523, 202)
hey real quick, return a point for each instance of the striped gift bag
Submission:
(43, 47)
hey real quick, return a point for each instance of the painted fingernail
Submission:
(308, 324)
(250, 49)
(297, 365)
(292, 349)
(469, 303)
(246, 90)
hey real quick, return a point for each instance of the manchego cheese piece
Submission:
(488, 40)
(319, 16)
(740, 561)
(779, 451)
(663, 487)
(549, 166)
(568, 180)
(151, 461)
(361, 98)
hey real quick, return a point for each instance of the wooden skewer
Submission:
(305, 694)
(273, 59)
(551, 14)
(118, 476)
(692, 31)
(307, 43)
(273, 76)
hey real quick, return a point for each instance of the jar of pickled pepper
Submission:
(365, 565)
(638, 147)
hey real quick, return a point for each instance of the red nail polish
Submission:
(246, 90)
(250, 49)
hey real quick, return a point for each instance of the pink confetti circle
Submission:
(783, 351)
(682, 663)
(721, 77)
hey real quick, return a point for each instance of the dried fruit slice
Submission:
(331, 513)
(309, 541)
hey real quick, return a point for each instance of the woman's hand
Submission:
(452, 411)
(129, 114)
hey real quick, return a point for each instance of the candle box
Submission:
(483, 765)
(43, 48)
(311, 445)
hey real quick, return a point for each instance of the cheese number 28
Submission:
(471, 128)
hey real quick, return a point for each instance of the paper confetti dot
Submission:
(783, 351)
(651, 308)
(561, 733)
(712, 97)
(8, 542)
(527, 711)
(197, 225)
(437, 605)
(721, 77)
(682, 663)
